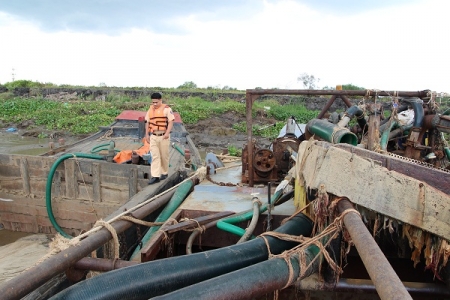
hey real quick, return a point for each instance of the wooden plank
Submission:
(71, 178)
(25, 175)
(96, 182)
(56, 185)
(132, 183)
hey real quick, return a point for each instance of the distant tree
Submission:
(309, 81)
(188, 85)
(24, 84)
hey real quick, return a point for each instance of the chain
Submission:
(219, 183)
(417, 162)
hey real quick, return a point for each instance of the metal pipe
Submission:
(326, 107)
(386, 281)
(102, 264)
(331, 132)
(368, 93)
(269, 207)
(352, 285)
(26, 282)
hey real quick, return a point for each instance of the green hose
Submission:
(48, 188)
(226, 224)
(447, 152)
(101, 147)
(385, 135)
(176, 200)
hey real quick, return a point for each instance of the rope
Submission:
(114, 235)
(140, 222)
(331, 230)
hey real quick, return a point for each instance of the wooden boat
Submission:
(341, 209)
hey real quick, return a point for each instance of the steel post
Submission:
(386, 281)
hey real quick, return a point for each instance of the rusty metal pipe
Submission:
(362, 286)
(386, 281)
(26, 282)
(326, 107)
(102, 264)
(420, 94)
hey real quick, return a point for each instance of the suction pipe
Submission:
(331, 132)
(251, 282)
(162, 276)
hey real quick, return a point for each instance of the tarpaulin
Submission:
(125, 155)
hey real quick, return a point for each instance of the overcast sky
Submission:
(375, 44)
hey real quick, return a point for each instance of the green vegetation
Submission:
(234, 151)
(83, 117)
(86, 114)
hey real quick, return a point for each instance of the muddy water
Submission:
(8, 236)
(15, 143)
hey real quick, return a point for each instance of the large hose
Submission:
(331, 132)
(162, 276)
(176, 200)
(48, 188)
(251, 282)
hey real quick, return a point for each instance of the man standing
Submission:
(159, 119)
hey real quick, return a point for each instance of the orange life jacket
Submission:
(157, 121)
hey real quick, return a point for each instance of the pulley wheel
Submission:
(264, 160)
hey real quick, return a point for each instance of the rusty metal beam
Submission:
(326, 107)
(102, 264)
(362, 286)
(420, 94)
(386, 281)
(250, 98)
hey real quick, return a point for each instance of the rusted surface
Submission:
(386, 281)
(368, 93)
(102, 264)
(353, 288)
(326, 107)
